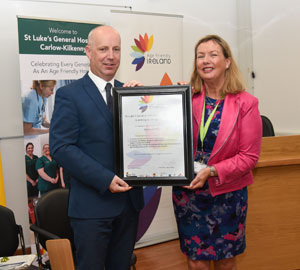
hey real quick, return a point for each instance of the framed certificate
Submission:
(153, 135)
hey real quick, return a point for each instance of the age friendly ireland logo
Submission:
(144, 44)
(144, 102)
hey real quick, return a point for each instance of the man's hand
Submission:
(118, 185)
(185, 83)
(132, 84)
(182, 83)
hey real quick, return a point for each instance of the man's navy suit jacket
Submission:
(82, 141)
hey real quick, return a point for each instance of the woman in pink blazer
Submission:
(227, 129)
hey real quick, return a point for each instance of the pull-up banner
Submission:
(52, 54)
(152, 53)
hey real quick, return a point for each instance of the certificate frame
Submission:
(183, 94)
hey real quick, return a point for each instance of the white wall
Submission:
(276, 57)
(200, 18)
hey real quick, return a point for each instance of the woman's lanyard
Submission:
(204, 127)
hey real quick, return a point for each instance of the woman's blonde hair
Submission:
(234, 81)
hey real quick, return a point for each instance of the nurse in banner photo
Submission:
(34, 104)
(31, 179)
(48, 171)
(31, 172)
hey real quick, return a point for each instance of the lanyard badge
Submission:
(203, 131)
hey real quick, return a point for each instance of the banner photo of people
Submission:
(52, 54)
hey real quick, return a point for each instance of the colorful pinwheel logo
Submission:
(142, 45)
(144, 103)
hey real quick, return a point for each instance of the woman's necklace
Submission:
(210, 100)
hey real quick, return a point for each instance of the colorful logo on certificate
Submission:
(144, 102)
(143, 44)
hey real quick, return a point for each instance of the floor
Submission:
(164, 256)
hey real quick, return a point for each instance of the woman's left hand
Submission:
(200, 179)
(133, 84)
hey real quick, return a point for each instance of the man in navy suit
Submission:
(103, 209)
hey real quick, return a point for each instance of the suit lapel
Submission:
(118, 83)
(93, 92)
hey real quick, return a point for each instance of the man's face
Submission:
(104, 52)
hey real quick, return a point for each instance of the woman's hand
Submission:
(32, 182)
(56, 179)
(200, 179)
(132, 83)
(44, 175)
(30, 130)
(53, 181)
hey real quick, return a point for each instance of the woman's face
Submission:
(47, 89)
(29, 150)
(46, 150)
(211, 62)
